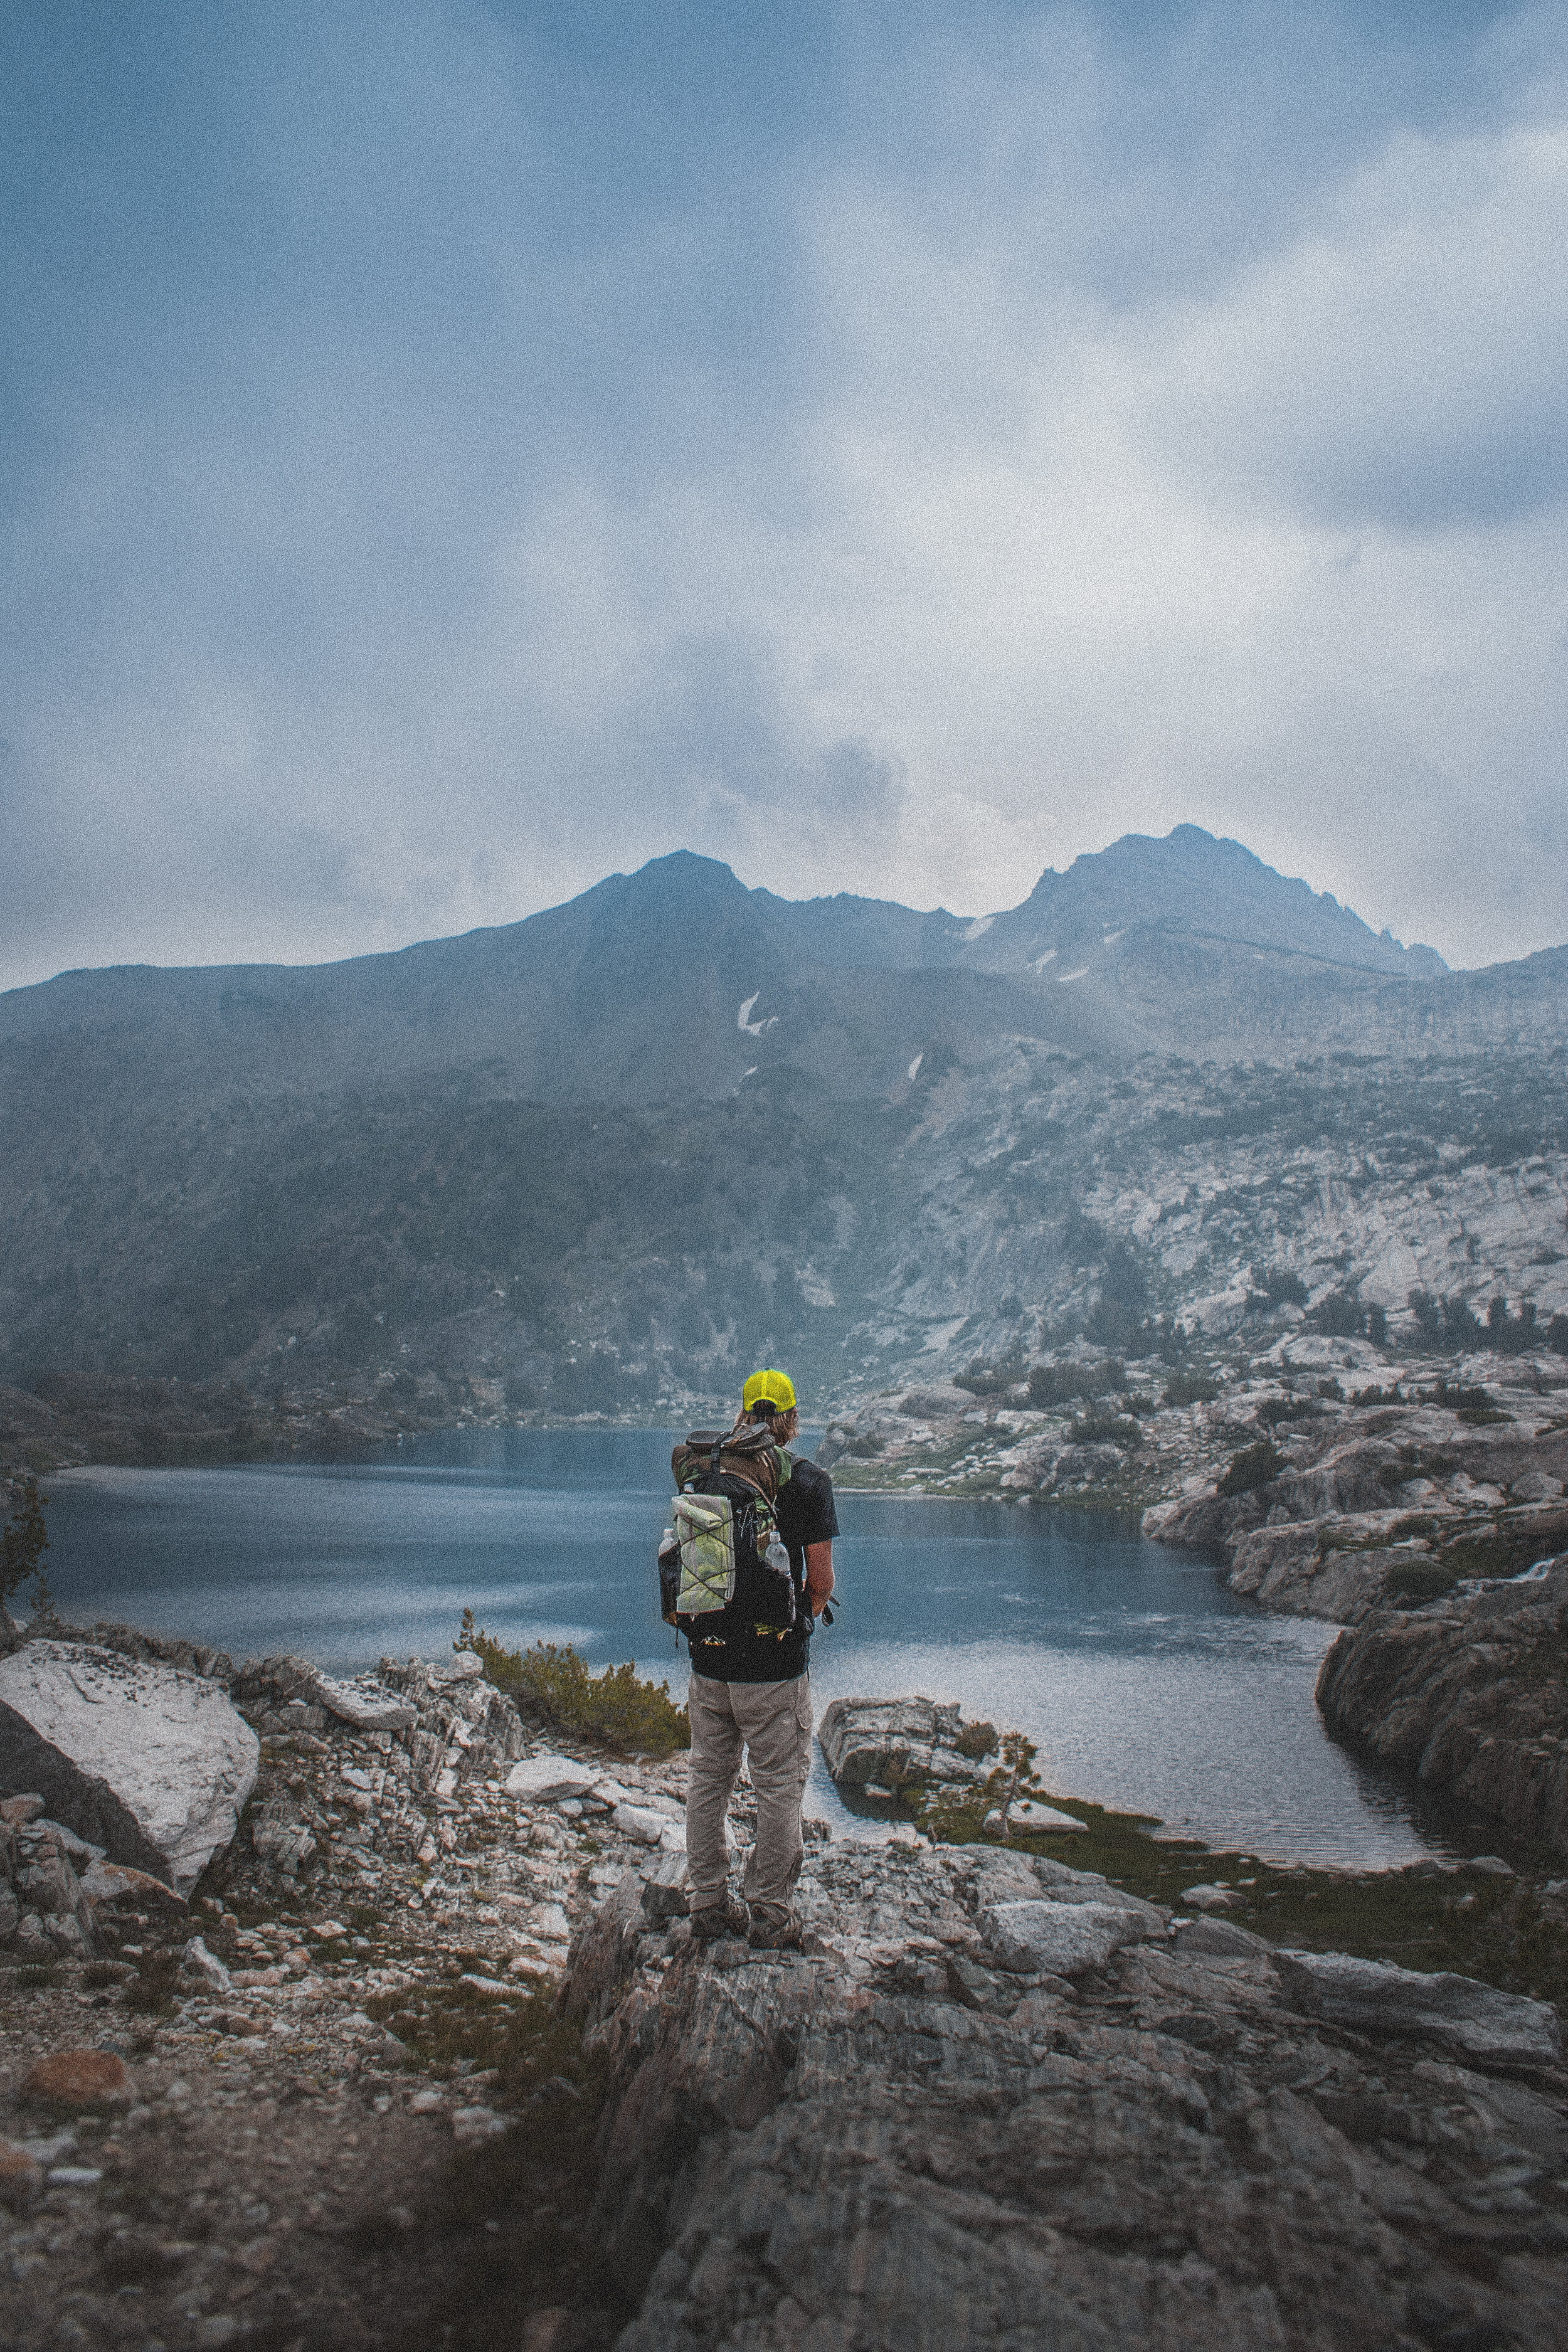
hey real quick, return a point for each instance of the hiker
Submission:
(751, 1685)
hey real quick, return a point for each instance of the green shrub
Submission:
(1107, 1429)
(1274, 1409)
(1254, 1465)
(977, 1739)
(1051, 1385)
(1191, 1388)
(984, 1380)
(22, 1537)
(618, 1708)
(1279, 1285)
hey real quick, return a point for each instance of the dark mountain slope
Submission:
(620, 1147)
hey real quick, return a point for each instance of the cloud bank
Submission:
(458, 451)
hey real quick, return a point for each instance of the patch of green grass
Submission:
(522, 2036)
(1508, 1934)
(616, 1707)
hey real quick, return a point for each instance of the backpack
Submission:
(722, 1550)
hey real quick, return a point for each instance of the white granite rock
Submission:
(145, 1760)
(544, 1780)
(1058, 1938)
(364, 1704)
(1029, 1813)
(207, 1966)
(641, 1823)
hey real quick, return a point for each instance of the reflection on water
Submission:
(1144, 1684)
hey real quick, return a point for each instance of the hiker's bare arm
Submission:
(819, 1574)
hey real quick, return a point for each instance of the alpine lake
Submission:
(1146, 1687)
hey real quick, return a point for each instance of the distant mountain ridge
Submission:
(606, 1158)
(679, 977)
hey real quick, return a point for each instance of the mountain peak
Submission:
(1205, 883)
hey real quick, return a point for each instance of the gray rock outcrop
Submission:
(1475, 2020)
(1468, 1694)
(888, 1742)
(910, 2136)
(151, 1764)
(1368, 1505)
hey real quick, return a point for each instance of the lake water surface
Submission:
(1145, 1682)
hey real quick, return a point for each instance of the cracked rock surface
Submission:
(905, 2138)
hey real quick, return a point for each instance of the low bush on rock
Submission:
(1108, 1429)
(1191, 1388)
(618, 1708)
(977, 1739)
(1254, 1465)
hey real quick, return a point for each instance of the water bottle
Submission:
(777, 1559)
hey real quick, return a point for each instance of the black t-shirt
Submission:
(740, 1655)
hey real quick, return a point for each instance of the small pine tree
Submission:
(24, 1540)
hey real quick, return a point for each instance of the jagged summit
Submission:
(1200, 885)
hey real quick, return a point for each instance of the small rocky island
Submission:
(366, 2014)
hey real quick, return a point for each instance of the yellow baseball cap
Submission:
(769, 1387)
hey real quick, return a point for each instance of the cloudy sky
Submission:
(448, 453)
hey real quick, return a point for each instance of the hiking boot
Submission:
(728, 1918)
(777, 1932)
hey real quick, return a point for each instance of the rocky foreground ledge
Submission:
(996, 2102)
(292, 2075)
(420, 2053)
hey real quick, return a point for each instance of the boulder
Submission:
(1453, 1691)
(1059, 1939)
(1220, 1939)
(890, 1741)
(1373, 1995)
(545, 1780)
(364, 1703)
(147, 1762)
(641, 1823)
(109, 1883)
(1029, 1813)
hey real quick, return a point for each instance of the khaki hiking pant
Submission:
(773, 1722)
